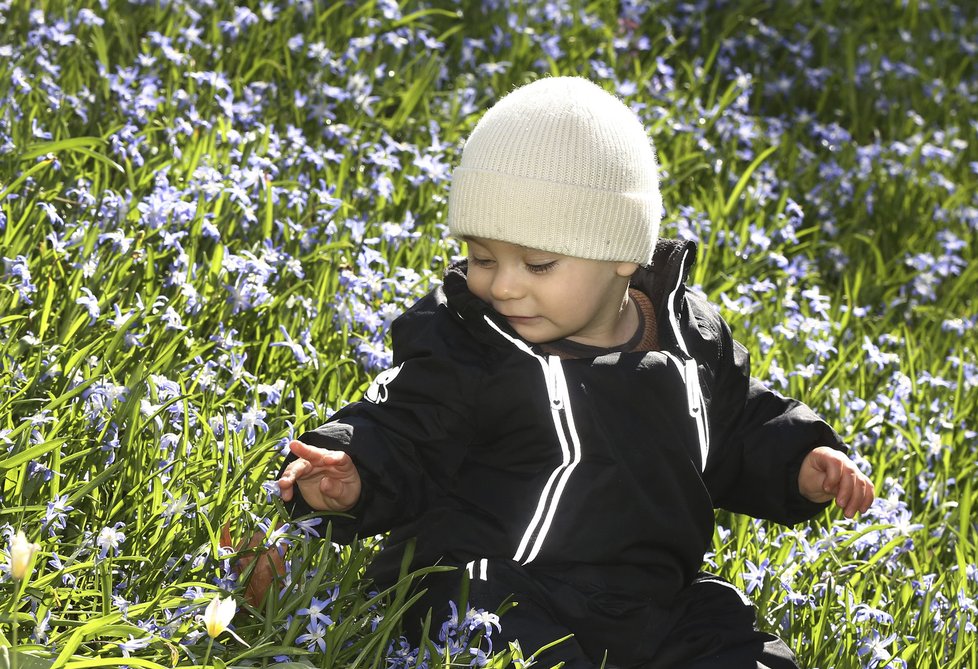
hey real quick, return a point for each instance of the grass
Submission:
(184, 189)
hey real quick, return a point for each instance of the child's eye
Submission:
(542, 268)
(481, 262)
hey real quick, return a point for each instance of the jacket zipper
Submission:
(694, 399)
(570, 447)
(539, 526)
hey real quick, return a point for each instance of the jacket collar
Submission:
(667, 270)
(670, 266)
(470, 308)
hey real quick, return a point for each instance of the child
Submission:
(563, 416)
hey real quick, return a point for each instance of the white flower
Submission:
(110, 538)
(21, 552)
(218, 615)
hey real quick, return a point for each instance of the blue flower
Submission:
(755, 575)
(90, 302)
(56, 516)
(248, 421)
(133, 644)
(18, 270)
(876, 646)
(316, 612)
(863, 613)
(314, 638)
(243, 18)
(271, 489)
(297, 350)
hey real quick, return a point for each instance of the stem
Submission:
(105, 566)
(207, 655)
(14, 622)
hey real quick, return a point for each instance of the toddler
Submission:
(562, 416)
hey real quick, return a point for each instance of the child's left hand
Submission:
(827, 473)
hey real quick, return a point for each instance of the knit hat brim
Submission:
(562, 218)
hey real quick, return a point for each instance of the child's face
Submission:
(547, 296)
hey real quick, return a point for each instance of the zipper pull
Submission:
(555, 372)
(692, 387)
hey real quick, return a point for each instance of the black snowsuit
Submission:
(586, 487)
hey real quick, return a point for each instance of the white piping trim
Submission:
(570, 448)
(483, 569)
(740, 593)
(671, 303)
(689, 372)
(563, 473)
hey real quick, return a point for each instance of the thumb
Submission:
(820, 462)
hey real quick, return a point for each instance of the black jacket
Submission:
(605, 468)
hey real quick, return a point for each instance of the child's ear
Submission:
(626, 268)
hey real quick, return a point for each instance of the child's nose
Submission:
(505, 285)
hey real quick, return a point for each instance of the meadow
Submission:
(210, 213)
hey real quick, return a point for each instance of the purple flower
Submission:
(56, 516)
(243, 18)
(876, 646)
(90, 302)
(272, 392)
(755, 575)
(300, 354)
(18, 270)
(316, 610)
(308, 528)
(314, 638)
(249, 420)
(38, 131)
(176, 507)
(865, 613)
(271, 489)
(128, 647)
(87, 17)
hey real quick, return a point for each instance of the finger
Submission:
(863, 496)
(303, 450)
(335, 494)
(833, 474)
(856, 501)
(341, 463)
(866, 494)
(295, 470)
(313, 454)
(322, 457)
(846, 493)
(870, 496)
(857, 498)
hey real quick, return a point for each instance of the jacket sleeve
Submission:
(407, 436)
(758, 439)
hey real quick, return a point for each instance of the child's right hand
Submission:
(328, 480)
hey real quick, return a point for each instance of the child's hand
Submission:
(269, 570)
(328, 480)
(826, 474)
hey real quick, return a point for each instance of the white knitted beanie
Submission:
(560, 165)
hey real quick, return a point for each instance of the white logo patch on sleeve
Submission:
(377, 392)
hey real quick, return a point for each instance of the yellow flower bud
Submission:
(21, 552)
(218, 615)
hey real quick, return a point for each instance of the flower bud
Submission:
(21, 552)
(218, 615)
